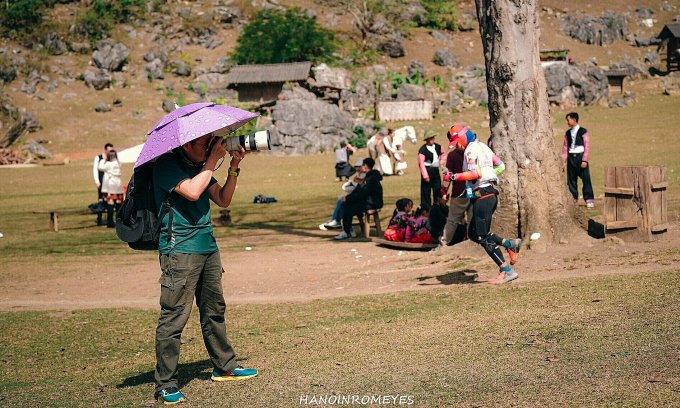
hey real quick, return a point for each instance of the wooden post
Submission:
(54, 221)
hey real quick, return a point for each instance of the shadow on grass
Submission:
(466, 276)
(198, 370)
(284, 229)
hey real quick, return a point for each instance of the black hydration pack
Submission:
(138, 221)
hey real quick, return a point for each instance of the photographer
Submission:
(190, 260)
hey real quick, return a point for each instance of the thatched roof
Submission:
(268, 73)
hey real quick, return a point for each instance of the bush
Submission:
(359, 139)
(103, 14)
(275, 36)
(21, 16)
(441, 14)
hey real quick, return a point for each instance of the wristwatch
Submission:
(234, 173)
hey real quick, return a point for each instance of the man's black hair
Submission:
(106, 146)
(343, 144)
(572, 115)
(369, 162)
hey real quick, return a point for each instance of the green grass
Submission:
(464, 345)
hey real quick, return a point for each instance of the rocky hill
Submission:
(71, 94)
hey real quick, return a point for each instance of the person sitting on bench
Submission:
(367, 196)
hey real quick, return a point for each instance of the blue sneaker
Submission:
(238, 373)
(170, 396)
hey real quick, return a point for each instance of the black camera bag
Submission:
(137, 220)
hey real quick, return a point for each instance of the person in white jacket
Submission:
(98, 177)
(112, 185)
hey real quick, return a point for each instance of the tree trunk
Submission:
(534, 195)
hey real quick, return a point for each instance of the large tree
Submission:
(533, 192)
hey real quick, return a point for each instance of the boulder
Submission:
(652, 58)
(325, 76)
(416, 66)
(80, 47)
(35, 150)
(227, 16)
(180, 68)
(466, 22)
(31, 122)
(110, 55)
(29, 87)
(54, 45)
(413, 12)
(168, 105)
(644, 13)
(471, 83)
(602, 30)
(154, 69)
(571, 85)
(98, 80)
(7, 71)
(52, 86)
(446, 58)
(102, 107)
(667, 7)
(392, 48)
(410, 92)
(211, 83)
(627, 100)
(438, 35)
(360, 97)
(302, 124)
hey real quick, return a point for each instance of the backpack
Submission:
(137, 220)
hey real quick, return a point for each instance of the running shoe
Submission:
(237, 374)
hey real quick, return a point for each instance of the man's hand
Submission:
(344, 199)
(584, 164)
(237, 156)
(98, 186)
(427, 179)
(218, 151)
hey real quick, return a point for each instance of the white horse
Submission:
(400, 135)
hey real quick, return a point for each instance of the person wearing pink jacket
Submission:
(430, 157)
(575, 151)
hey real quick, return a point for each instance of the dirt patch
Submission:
(293, 268)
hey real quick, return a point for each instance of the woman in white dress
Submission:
(112, 186)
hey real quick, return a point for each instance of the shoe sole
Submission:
(232, 378)
(179, 401)
(506, 280)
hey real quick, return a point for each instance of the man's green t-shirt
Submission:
(192, 231)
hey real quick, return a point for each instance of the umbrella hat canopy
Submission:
(188, 123)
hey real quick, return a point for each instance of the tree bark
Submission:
(533, 190)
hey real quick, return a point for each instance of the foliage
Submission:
(274, 36)
(417, 78)
(439, 82)
(441, 14)
(359, 139)
(103, 14)
(21, 16)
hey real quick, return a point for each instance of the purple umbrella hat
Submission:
(188, 123)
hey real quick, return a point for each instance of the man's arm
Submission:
(565, 150)
(192, 188)
(222, 195)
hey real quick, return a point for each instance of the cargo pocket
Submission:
(172, 291)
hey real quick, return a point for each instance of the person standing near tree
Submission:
(430, 157)
(575, 153)
(98, 176)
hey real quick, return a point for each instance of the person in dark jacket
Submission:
(430, 157)
(367, 196)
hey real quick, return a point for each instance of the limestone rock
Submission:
(110, 55)
(446, 58)
(98, 80)
(392, 48)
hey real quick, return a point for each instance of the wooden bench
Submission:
(54, 215)
(365, 223)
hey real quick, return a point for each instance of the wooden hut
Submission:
(263, 82)
(670, 37)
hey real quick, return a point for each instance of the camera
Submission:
(255, 141)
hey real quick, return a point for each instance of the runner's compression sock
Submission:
(507, 244)
(506, 268)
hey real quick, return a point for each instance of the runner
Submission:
(480, 172)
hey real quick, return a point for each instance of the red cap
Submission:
(454, 133)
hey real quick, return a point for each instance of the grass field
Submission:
(582, 342)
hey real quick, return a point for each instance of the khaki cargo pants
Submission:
(183, 277)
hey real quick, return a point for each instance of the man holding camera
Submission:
(190, 260)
